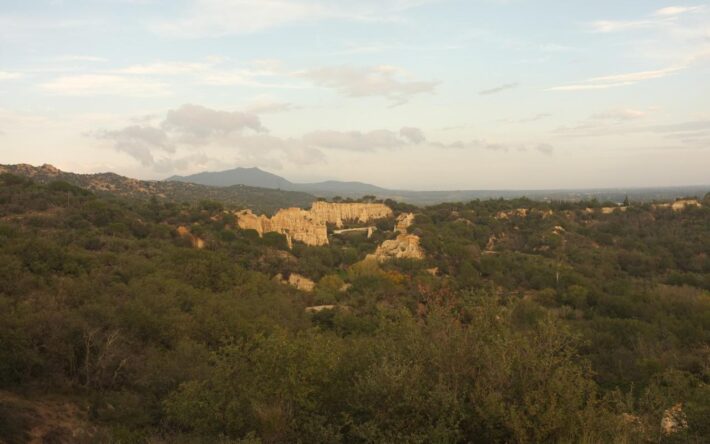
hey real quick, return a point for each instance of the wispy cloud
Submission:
(660, 17)
(498, 89)
(671, 11)
(105, 85)
(616, 80)
(385, 81)
(535, 118)
(6, 75)
(79, 58)
(167, 68)
(214, 18)
(621, 114)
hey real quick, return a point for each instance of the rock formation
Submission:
(337, 213)
(294, 223)
(523, 212)
(674, 420)
(310, 226)
(319, 308)
(195, 241)
(301, 282)
(297, 281)
(682, 204)
(405, 246)
(403, 222)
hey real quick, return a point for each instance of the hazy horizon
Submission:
(403, 94)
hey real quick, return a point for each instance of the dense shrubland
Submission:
(568, 327)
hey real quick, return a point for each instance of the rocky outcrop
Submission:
(405, 246)
(319, 308)
(338, 213)
(195, 241)
(403, 222)
(294, 223)
(310, 226)
(297, 281)
(682, 204)
(674, 420)
(301, 282)
(523, 212)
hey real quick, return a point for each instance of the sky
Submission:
(407, 94)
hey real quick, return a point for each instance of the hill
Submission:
(266, 200)
(331, 188)
(134, 320)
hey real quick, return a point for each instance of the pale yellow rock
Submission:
(522, 212)
(196, 242)
(682, 204)
(294, 223)
(319, 308)
(609, 210)
(403, 222)
(674, 420)
(405, 246)
(337, 213)
(301, 282)
(310, 226)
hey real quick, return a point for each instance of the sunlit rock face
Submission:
(294, 223)
(338, 213)
(195, 241)
(674, 420)
(310, 226)
(403, 222)
(405, 246)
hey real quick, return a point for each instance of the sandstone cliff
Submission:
(403, 222)
(405, 246)
(337, 213)
(310, 226)
(294, 223)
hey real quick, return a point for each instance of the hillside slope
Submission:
(265, 200)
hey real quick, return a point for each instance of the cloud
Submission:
(199, 124)
(617, 80)
(608, 126)
(661, 17)
(139, 142)
(5, 75)
(267, 105)
(498, 89)
(194, 135)
(412, 135)
(105, 85)
(622, 114)
(384, 81)
(216, 18)
(676, 10)
(482, 144)
(362, 141)
(79, 58)
(545, 148)
(535, 118)
(166, 68)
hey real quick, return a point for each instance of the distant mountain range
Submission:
(256, 177)
(265, 192)
(259, 199)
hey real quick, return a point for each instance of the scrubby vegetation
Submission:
(561, 325)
